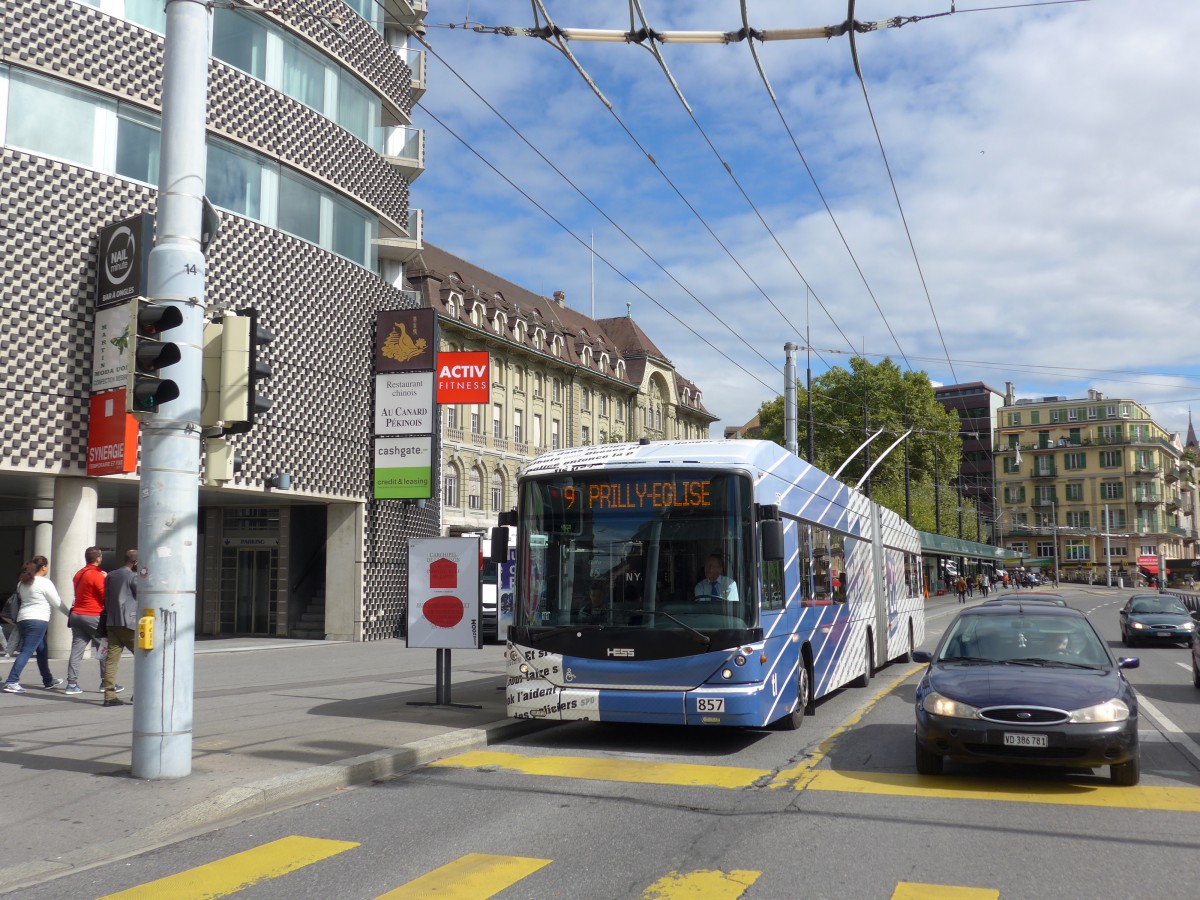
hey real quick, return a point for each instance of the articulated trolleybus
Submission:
(700, 583)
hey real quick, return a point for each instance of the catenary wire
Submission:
(584, 243)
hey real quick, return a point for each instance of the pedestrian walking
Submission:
(38, 596)
(84, 619)
(961, 587)
(119, 622)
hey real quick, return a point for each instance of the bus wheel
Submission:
(795, 719)
(864, 679)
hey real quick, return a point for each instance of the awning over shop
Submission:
(1149, 565)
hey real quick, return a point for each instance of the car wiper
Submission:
(1041, 661)
(700, 635)
(969, 659)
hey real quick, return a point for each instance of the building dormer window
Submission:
(539, 338)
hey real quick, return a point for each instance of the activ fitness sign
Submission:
(463, 377)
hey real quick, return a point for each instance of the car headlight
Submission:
(937, 705)
(1188, 626)
(1137, 625)
(1112, 711)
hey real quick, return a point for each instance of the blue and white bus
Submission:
(701, 583)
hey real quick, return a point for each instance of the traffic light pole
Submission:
(170, 468)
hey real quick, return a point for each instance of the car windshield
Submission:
(1165, 604)
(1023, 639)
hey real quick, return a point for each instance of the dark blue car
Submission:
(1032, 684)
(1148, 618)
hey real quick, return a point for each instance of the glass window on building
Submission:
(358, 110)
(585, 400)
(537, 430)
(1078, 551)
(299, 206)
(53, 119)
(1045, 548)
(138, 142)
(1112, 490)
(518, 426)
(497, 421)
(497, 492)
(240, 39)
(474, 490)
(353, 233)
(234, 180)
(303, 76)
(1075, 492)
(452, 417)
(585, 435)
(555, 439)
(450, 487)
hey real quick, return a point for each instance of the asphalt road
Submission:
(834, 810)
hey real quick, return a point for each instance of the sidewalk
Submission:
(275, 722)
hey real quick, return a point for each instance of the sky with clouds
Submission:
(1044, 157)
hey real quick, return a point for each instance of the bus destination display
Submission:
(640, 494)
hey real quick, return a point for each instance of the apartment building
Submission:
(1084, 483)
(559, 379)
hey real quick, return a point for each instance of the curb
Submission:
(264, 796)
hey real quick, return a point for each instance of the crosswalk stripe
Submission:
(241, 870)
(701, 885)
(475, 876)
(598, 769)
(1054, 793)
(908, 890)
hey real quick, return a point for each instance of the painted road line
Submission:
(475, 876)
(241, 870)
(907, 890)
(1170, 730)
(597, 769)
(796, 777)
(1058, 793)
(701, 885)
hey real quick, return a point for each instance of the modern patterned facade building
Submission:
(559, 379)
(976, 405)
(310, 154)
(1083, 482)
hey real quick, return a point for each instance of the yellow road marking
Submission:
(475, 876)
(241, 870)
(1059, 793)
(907, 890)
(797, 776)
(701, 885)
(624, 770)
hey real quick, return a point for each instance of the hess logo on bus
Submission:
(623, 652)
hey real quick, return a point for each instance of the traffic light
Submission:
(242, 371)
(145, 390)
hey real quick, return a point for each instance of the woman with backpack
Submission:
(38, 595)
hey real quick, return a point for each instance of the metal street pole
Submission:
(1054, 526)
(789, 397)
(170, 474)
(1107, 546)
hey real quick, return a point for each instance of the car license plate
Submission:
(1163, 633)
(1025, 740)
(710, 704)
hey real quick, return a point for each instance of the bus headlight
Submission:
(739, 660)
(727, 673)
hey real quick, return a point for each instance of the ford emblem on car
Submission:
(1024, 715)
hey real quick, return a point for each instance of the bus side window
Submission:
(772, 584)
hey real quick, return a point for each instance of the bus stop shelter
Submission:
(944, 558)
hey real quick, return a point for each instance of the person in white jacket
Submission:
(38, 595)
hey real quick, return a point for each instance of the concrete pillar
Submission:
(74, 532)
(43, 539)
(344, 571)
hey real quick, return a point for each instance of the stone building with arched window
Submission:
(559, 379)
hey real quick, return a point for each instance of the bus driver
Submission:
(714, 585)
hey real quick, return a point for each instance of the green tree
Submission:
(851, 404)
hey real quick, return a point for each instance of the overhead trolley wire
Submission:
(592, 203)
(584, 243)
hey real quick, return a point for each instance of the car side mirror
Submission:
(1129, 662)
(922, 656)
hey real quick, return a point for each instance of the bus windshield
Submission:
(664, 550)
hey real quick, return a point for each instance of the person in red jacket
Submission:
(85, 615)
